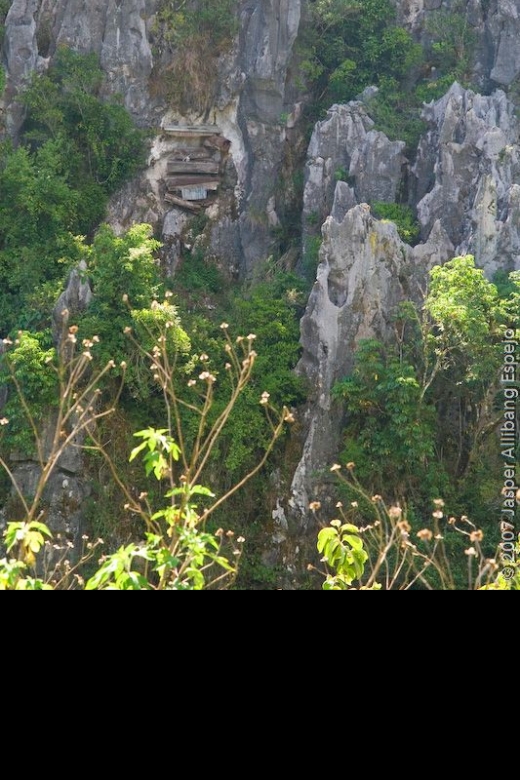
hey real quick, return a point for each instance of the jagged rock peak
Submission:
(468, 171)
(365, 271)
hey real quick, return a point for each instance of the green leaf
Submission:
(324, 537)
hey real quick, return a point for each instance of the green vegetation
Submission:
(194, 33)
(352, 44)
(380, 550)
(4, 9)
(181, 22)
(177, 551)
(270, 310)
(156, 355)
(26, 373)
(76, 150)
(421, 412)
(407, 226)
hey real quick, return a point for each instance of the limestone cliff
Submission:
(249, 105)
(463, 181)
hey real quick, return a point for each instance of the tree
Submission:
(420, 408)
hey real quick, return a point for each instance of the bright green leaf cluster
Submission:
(342, 549)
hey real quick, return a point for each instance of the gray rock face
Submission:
(345, 146)
(469, 164)
(66, 488)
(496, 27)
(365, 271)
(503, 27)
(270, 28)
(20, 55)
(74, 299)
(65, 491)
(117, 32)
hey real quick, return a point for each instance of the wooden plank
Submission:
(192, 130)
(193, 154)
(178, 182)
(183, 204)
(193, 166)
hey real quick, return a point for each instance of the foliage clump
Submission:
(421, 411)
(191, 34)
(77, 149)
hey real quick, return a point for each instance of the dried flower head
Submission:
(476, 536)
(425, 535)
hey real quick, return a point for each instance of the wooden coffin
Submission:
(183, 204)
(192, 154)
(191, 130)
(192, 166)
(179, 182)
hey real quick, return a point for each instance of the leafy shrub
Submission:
(24, 370)
(101, 146)
(352, 44)
(420, 410)
(407, 227)
(76, 151)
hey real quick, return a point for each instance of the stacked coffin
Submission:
(194, 169)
